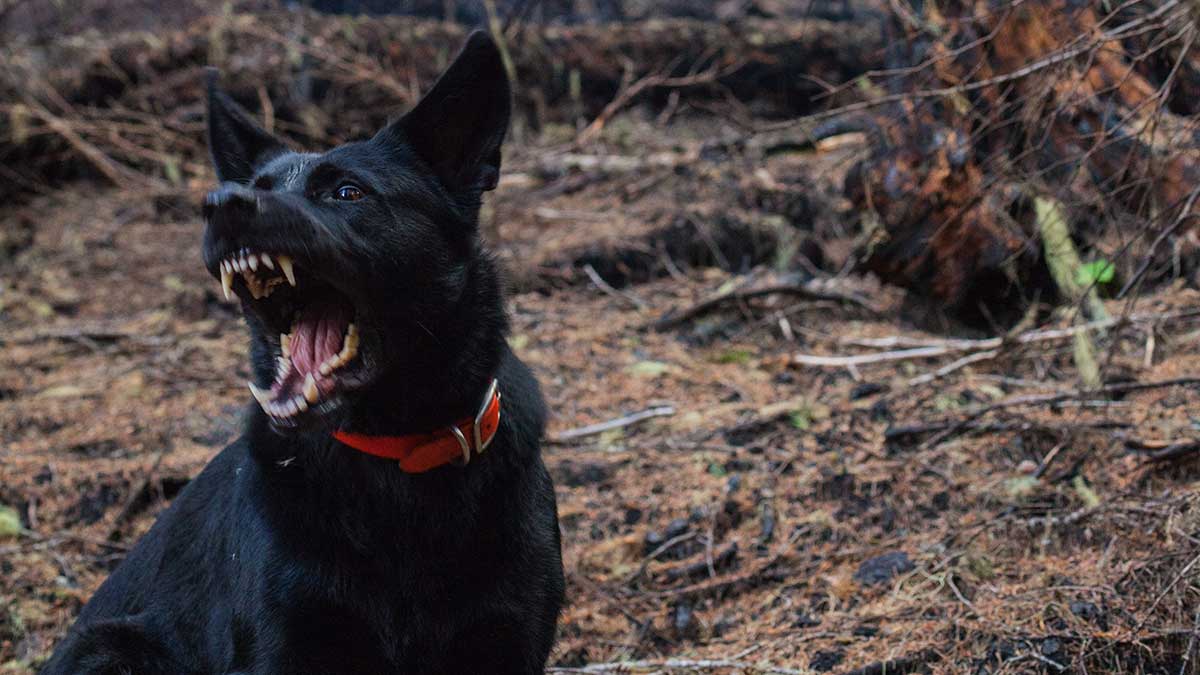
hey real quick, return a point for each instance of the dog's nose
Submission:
(231, 201)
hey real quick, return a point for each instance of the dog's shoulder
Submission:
(186, 534)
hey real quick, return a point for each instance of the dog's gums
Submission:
(321, 339)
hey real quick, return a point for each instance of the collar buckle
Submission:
(477, 425)
(477, 428)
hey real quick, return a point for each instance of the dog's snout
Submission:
(231, 199)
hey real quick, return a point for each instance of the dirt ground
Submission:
(780, 517)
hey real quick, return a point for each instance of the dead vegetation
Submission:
(894, 376)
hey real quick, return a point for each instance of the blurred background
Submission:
(869, 326)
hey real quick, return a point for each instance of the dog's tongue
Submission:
(317, 335)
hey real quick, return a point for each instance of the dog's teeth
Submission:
(285, 264)
(290, 408)
(327, 366)
(285, 344)
(310, 390)
(253, 262)
(226, 281)
(266, 260)
(300, 403)
(349, 346)
(281, 369)
(263, 397)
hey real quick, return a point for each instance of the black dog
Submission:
(386, 510)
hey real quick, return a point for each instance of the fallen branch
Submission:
(811, 290)
(601, 427)
(900, 666)
(608, 289)
(631, 89)
(117, 174)
(1163, 451)
(953, 366)
(934, 348)
(681, 664)
(897, 434)
(1051, 399)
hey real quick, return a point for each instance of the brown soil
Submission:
(1031, 536)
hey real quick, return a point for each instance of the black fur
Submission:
(291, 553)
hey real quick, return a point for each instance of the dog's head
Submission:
(346, 262)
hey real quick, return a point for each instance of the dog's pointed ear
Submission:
(457, 128)
(237, 144)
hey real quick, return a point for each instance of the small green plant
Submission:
(1095, 273)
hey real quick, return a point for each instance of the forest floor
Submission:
(858, 519)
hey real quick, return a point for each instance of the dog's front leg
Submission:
(503, 646)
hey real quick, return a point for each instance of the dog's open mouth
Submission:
(318, 344)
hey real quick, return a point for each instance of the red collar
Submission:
(418, 453)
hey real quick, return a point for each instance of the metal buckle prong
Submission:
(462, 442)
(480, 446)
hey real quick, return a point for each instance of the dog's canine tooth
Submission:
(285, 264)
(349, 345)
(266, 260)
(226, 281)
(263, 397)
(310, 390)
(253, 262)
(285, 344)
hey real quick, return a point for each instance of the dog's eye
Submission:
(348, 193)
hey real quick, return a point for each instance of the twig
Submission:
(681, 664)
(603, 285)
(617, 423)
(1184, 215)
(1058, 397)
(709, 565)
(896, 434)
(935, 348)
(958, 364)
(631, 90)
(119, 175)
(810, 290)
(1158, 451)
(1187, 654)
(663, 548)
(967, 87)
(899, 666)
(866, 359)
